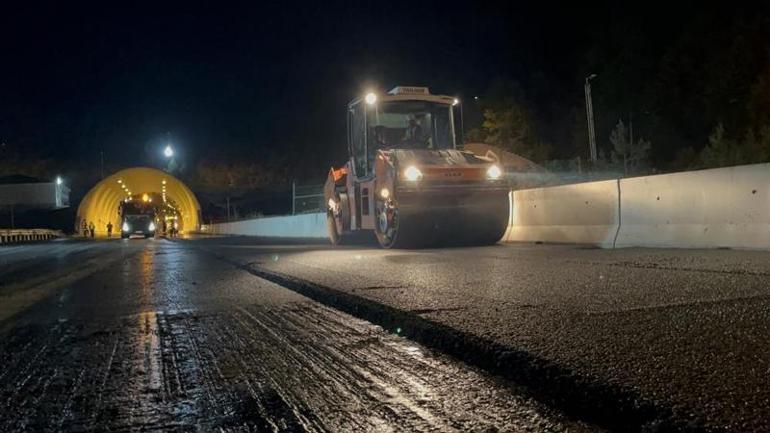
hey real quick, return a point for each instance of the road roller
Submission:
(407, 182)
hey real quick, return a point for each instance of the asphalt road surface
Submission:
(238, 334)
(156, 335)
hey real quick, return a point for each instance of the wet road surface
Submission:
(164, 336)
(632, 339)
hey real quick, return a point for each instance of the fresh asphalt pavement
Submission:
(239, 334)
(140, 335)
(636, 335)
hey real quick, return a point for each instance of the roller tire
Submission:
(403, 233)
(427, 229)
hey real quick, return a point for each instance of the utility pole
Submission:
(590, 118)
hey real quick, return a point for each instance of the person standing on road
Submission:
(85, 229)
(109, 229)
(91, 228)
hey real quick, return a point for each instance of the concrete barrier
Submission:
(311, 225)
(724, 207)
(585, 213)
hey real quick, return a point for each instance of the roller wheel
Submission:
(428, 228)
(394, 229)
(386, 224)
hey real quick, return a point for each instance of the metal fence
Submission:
(306, 198)
(8, 236)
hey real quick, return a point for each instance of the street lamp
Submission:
(456, 102)
(59, 180)
(590, 119)
(168, 152)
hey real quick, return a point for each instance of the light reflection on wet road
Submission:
(166, 338)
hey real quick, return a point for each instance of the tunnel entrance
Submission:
(172, 202)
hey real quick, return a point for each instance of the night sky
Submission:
(268, 79)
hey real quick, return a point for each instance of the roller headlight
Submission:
(412, 173)
(151, 227)
(125, 227)
(494, 172)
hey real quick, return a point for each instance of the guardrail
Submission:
(307, 199)
(13, 236)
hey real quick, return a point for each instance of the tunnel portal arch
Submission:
(100, 205)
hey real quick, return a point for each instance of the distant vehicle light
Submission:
(126, 227)
(412, 173)
(384, 193)
(151, 227)
(371, 98)
(494, 172)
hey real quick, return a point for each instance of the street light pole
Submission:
(456, 101)
(590, 118)
(462, 126)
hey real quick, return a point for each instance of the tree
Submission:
(632, 155)
(756, 147)
(222, 175)
(511, 128)
(758, 107)
(721, 151)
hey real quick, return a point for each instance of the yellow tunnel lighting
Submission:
(100, 204)
(145, 197)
